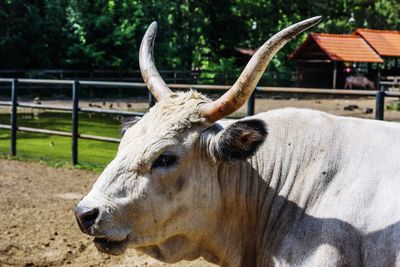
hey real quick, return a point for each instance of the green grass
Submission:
(395, 107)
(56, 150)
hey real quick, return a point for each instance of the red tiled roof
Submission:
(339, 47)
(385, 43)
(345, 47)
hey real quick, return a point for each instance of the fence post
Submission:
(75, 121)
(152, 101)
(380, 104)
(14, 103)
(251, 103)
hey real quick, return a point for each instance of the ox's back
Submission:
(337, 189)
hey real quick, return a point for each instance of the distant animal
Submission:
(128, 105)
(36, 100)
(94, 105)
(288, 187)
(359, 81)
(351, 107)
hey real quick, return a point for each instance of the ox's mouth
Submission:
(110, 246)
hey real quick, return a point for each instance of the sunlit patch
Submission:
(69, 196)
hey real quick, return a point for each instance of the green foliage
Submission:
(106, 34)
(395, 107)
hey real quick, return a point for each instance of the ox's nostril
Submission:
(89, 217)
(86, 217)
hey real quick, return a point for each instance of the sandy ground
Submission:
(333, 106)
(37, 225)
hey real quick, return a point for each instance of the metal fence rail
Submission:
(74, 109)
(75, 86)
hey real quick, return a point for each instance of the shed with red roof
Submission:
(385, 43)
(336, 47)
(322, 58)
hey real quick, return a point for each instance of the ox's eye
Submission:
(164, 160)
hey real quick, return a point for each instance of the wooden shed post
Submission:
(334, 74)
(378, 78)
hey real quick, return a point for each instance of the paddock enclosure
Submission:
(36, 201)
(76, 106)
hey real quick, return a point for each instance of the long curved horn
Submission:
(237, 95)
(148, 69)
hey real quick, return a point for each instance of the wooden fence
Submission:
(76, 85)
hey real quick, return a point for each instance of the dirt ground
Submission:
(331, 105)
(37, 224)
(335, 106)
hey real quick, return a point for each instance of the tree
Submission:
(106, 34)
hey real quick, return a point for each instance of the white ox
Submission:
(286, 187)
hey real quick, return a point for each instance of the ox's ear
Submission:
(239, 140)
(128, 123)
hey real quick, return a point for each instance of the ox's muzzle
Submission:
(94, 219)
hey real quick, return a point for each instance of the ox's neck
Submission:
(236, 240)
(261, 200)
